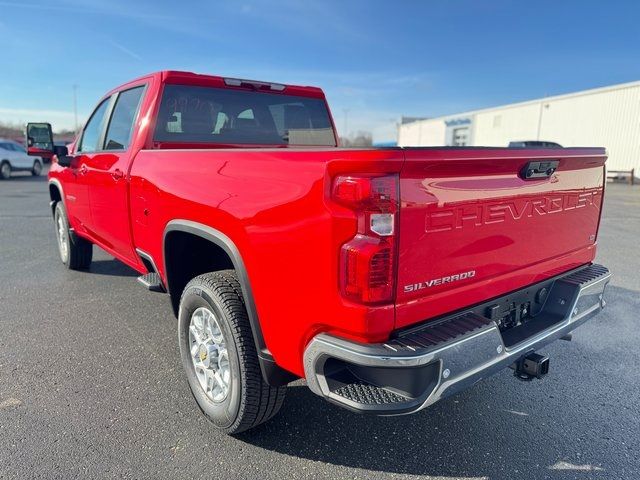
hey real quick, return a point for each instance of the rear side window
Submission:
(124, 114)
(94, 128)
(13, 147)
(219, 115)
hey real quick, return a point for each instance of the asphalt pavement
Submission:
(91, 384)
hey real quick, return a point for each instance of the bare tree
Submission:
(360, 139)
(15, 132)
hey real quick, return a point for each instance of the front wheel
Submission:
(219, 355)
(36, 170)
(5, 170)
(75, 252)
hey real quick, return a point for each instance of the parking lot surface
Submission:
(91, 384)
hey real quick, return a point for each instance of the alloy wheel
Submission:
(209, 354)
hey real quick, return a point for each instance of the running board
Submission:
(152, 282)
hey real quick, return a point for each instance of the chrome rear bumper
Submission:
(431, 362)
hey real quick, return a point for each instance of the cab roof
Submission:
(205, 80)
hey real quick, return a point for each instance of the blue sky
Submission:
(375, 60)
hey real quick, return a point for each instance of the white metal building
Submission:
(603, 117)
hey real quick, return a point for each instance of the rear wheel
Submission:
(75, 252)
(36, 170)
(5, 170)
(219, 355)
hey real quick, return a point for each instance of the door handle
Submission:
(117, 174)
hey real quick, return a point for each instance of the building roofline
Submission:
(581, 93)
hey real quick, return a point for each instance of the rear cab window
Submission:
(213, 115)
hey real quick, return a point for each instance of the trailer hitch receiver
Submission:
(532, 365)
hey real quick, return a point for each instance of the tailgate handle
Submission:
(533, 170)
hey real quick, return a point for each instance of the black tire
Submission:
(5, 170)
(36, 170)
(250, 401)
(77, 253)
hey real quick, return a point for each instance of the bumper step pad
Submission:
(366, 394)
(439, 333)
(587, 275)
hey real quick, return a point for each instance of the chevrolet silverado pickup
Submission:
(387, 278)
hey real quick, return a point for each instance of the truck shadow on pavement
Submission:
(464, 436)
(113, 268)
(500, 429)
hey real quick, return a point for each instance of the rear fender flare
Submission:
(273, 374)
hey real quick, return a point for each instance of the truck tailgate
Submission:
(473, 228)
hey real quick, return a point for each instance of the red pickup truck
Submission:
(387, 278)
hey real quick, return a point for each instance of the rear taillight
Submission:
(367, 261)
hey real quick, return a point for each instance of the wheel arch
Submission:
(175, 283)
(55, 194)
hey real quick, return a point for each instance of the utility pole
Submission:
(75, 108)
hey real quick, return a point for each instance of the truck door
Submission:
(107, 172)
(76, 188)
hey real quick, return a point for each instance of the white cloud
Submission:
(125, 50)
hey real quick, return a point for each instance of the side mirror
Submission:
(39, 139)
(62, 153)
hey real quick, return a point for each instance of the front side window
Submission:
(124, 114)
(93, 130)
(227, 116)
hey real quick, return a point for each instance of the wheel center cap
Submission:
(203, 353)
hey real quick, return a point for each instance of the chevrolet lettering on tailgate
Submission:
(513, 210)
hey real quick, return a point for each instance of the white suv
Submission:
(14, 158)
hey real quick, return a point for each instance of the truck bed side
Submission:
(273, 204)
